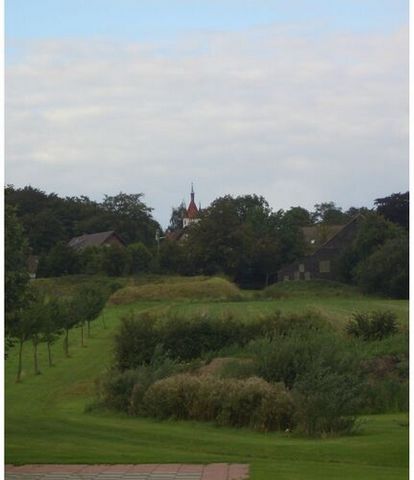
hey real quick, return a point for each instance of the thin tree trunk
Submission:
(19, 366)
(89, 328)
(36, 364)
(49, 352)
(82, 345)
(66, 343)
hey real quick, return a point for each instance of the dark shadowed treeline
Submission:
(48, 219)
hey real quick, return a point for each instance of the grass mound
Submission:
(317, 288)
(69, 284)
(197, 289)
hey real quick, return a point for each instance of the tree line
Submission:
(241, 237)
(244, 239)
(48, 219)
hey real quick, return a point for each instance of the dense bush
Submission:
(327, 401)
(372, 325)
(135, 342)
(386, 270)
(116, 389)
(252, 402)
(179, 338)
(140, 258)
(278, 325)
(185, 338)
(295, 370)
(285, 358)
(384, 395)
(124, 390)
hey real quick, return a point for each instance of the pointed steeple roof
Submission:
(192, 210)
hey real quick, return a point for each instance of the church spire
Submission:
(192, 192)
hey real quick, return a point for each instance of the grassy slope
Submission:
(46, 422)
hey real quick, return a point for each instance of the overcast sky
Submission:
(298, 101)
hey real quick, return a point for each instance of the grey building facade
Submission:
(324, 262)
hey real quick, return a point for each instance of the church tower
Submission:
(192, 211)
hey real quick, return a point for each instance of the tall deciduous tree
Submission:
(237, 236)
(15, 270)
(395, 208)
(177, 216)
(329, 213)
(132, 217)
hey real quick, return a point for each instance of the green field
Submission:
(46, 420)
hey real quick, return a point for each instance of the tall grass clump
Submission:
(372, 325)
(252, 403)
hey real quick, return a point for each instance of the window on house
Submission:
(324, 266)
(301, 267)
(307, 276)
(296, 275)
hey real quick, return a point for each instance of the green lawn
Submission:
(46, 420)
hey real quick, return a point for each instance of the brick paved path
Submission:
(214, 471)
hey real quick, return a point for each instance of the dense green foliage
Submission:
(377, 260)
(48, 219)
(331, 378)
(16, 278)
(48, 428)
(253, 402)
(395, 208)
(242, 238)
(372, 325)
(386, 271)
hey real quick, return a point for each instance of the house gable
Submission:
(323, 263)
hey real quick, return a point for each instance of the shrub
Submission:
(124, 390)
(385, 395)
(116, 261)
(116, 389)
(140, 257)
(327, 401)
(180, 338)
(285, 358)
(186, 339)
(275, 325)
(252, 402)
(135, 342)
(257, 404)
(386, 270)
(372, 326)
(171, 397)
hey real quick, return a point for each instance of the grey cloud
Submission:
(297, 119)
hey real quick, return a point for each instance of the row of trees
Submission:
(44, 320)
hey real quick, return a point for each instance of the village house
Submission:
(323, 261)
(99, 239)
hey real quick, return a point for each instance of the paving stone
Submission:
(217, 471)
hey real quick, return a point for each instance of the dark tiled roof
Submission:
(317, 235)
(91, 240)
(192, 210)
